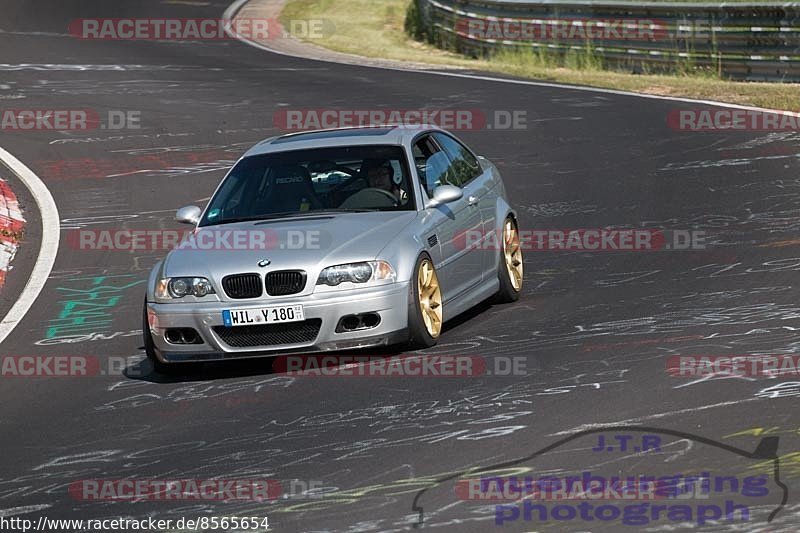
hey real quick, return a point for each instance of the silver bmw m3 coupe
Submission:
(335, 240)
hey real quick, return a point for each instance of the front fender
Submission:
(402, 253)
(155, 274)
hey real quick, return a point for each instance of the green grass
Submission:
(701, 1)
(376, 28)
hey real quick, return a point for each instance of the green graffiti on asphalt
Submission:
(86, 310)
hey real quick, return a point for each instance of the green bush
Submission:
(414, 25)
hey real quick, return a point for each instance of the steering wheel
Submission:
(352, 178)
(382, 191)
(368, 197)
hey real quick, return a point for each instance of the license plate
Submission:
(262, 315)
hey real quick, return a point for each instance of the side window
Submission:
(465, 167)
(436, 171)
(432, 163)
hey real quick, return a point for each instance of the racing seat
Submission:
(289, 187)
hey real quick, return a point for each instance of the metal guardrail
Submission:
(737, 40)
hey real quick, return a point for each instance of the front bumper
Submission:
(389, 301)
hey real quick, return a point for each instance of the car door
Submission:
(479, 190)
(459, 267)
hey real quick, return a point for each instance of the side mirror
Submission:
(188, 215)
(445, 194)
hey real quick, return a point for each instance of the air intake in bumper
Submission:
(269, 334)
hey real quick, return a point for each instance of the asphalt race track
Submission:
(595, 330)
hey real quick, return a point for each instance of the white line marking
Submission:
(631, 421)
(47, 250)
(13, 511)
(233, 9)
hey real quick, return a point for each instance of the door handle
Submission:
(472, 200)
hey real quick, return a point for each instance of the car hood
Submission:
(310, 243)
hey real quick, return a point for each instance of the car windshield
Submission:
(320, 180)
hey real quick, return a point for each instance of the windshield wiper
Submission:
(290, 214)
(344, 210)
(284, 214)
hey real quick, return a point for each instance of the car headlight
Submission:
(357, 273)
(168, 288)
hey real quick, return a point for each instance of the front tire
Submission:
(509, 267)
(425, 308)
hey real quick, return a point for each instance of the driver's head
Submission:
(380, 177)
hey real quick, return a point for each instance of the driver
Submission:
(382, 177)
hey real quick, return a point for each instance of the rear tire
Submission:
(425, 316)
(509, 267)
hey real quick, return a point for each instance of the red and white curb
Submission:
(48, 247)
(11, 224)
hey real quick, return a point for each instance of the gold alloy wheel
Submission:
(430, 298)
(513, 254)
